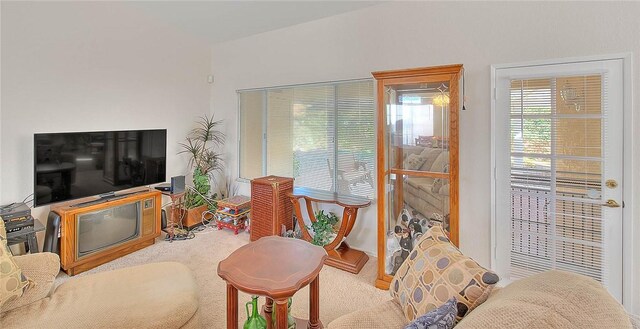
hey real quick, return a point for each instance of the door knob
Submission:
(611, 204)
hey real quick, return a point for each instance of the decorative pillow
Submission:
(414, 162)
(443, 317)
(437, 184)
(434, 272)
(12, 282)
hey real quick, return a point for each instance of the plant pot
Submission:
(193, 217)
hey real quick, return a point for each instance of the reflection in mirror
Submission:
(414, 204)
(418, 124)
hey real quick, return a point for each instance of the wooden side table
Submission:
(27, 236)
(175, 219)
(277, 268)
(341, 256)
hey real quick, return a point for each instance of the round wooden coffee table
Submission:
(277, 268)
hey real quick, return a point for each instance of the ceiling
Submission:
(219, 21)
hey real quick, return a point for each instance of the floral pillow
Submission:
(437, 271)
(12, 282)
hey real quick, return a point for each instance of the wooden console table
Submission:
(277, 268)
(340, 254)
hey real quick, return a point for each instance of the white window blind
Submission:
(557, 133)
(320, 134)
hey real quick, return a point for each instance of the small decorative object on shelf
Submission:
(255, 320)
(232, 213)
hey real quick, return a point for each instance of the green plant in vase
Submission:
(202, 145)
(323, 228)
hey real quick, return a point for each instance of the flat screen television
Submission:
(74, 165)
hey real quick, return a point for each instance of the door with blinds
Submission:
(558, 152)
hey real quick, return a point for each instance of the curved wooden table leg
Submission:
(340, 254)
(352, 214)
(303, 228)
(314, 304)
(232, 307)
(281, 313)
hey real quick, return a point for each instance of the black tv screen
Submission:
(68, 166)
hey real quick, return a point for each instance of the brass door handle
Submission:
(611, 204)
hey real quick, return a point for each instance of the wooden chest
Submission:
(270, 206)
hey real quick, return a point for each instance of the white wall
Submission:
(399, 35)
(93, 66)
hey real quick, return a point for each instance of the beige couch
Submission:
(549, 300)
(420, 192)
(158, 295)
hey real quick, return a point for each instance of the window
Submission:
(323, 135)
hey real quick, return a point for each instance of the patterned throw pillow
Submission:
(443, 317)
(12, 282)
(434, 272)
(414, 162)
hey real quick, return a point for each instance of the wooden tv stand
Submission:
(150, 202)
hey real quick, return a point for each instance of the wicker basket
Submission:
(270, 206)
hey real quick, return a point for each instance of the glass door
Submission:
(559, 171)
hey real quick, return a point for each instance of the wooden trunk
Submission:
(270, 206)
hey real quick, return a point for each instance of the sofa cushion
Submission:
(42, 269)
(430, 154)
(552, 299)
(434, 272)
(441, 163)
(383, 316)
(157, 295)
(420, 182)
(13, 283)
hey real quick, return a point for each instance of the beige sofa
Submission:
(158, 295)
(420, 192)
(549, 300)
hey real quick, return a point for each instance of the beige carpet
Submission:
(340, 292)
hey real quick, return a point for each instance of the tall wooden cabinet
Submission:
(417, 159)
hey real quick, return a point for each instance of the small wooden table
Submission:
(175, 219)
(277, 268)
(26, 236)
(232, 213)
(341, 256)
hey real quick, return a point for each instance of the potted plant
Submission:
(324, 228)
(202, 145)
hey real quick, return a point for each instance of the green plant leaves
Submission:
(323, 228)
(200, 145)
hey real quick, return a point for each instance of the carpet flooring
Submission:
(340, 292)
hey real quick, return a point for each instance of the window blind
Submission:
(323, 135)
(557, 133)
